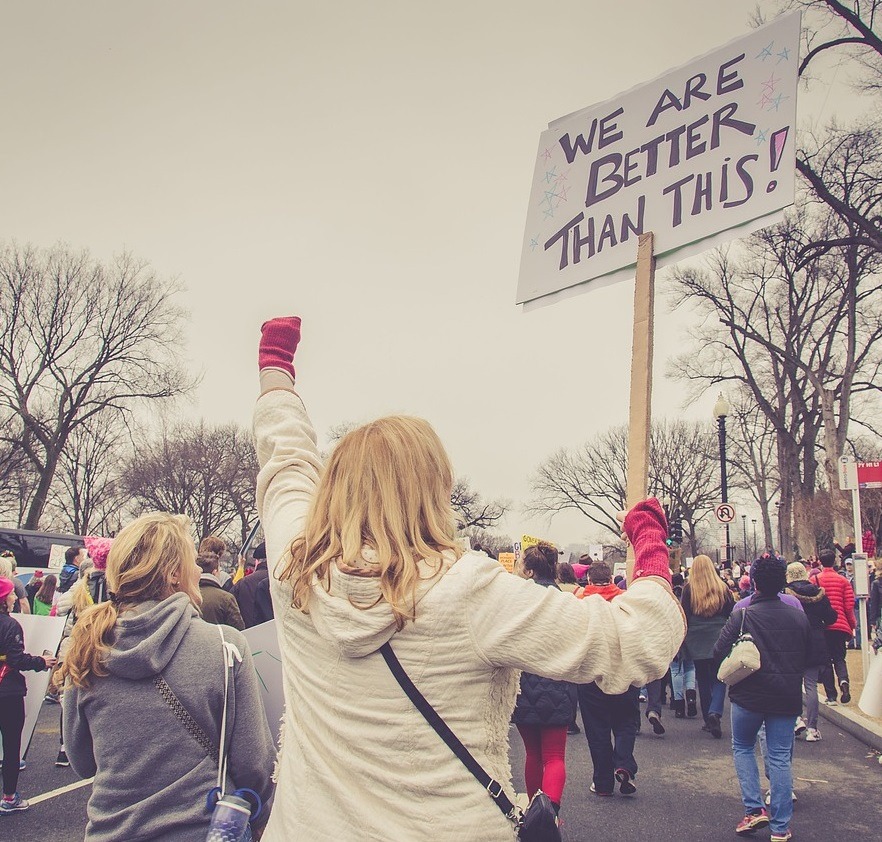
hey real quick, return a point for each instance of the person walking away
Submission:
(545, 707)
(874, 607)
(611, 720)
(707, 604)
(44, 598)
(841, 596)
(7, 571)
(366, 554)
(70, 571)
(145, 682)
(218, 606)
(820, 613)
(13, 689)
(252, 592)
(771, 697)
(566, 578)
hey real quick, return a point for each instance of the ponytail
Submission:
(90, 642)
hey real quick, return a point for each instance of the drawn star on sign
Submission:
(776, 102)
(546, 154)
(766, 52)
(771, 83)
(549, 213)
(562, 192)
(761, 136)
(534, 244)
(550, 175)
(784, 55)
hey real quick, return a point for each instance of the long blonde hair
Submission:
(151, 559)
(707, 591)
(387, 486)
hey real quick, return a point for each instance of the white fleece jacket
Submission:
(358, 761)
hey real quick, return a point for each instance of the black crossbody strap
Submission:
(509, 810)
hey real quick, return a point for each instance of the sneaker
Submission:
(62, 760)
(691, 704)
(641, 698)
(714, 726)
(21, 765)
(813, 735)
(53, 700)
(768, 799)
(844, 693)
(655, 721)
(831, 703)
(752, 822)
(592, 789)
(800, 726)
(784, 836)
(626, 782)
(572, 728)
(13, 805)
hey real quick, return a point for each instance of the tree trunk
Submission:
(41, 494)
(839, 502)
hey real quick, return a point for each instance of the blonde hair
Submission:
(387, 486)
(707, 591)
(151, 559)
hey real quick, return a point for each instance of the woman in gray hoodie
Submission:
(144, 695)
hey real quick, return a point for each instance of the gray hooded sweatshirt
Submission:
(151, 776)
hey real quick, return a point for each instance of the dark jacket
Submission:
(702, 632)
(253, 612)
(820, 615)
(782, 634)
(98, 586)
(875, 601)
(69, 574)
(12, 654)
(218, 606)
(544, 701)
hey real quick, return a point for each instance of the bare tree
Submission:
(79, 338)
(205, 472)
(491, 542)
(592, 479)
(472, 510)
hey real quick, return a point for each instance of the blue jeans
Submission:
(746, 726)
(682, 676)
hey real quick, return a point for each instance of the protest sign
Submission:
(507, 560)
(703, 149)
(40, 633)
(263, 641)
(596, 551)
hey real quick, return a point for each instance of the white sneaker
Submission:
(812, 735)
(768, 799)
(800, 726)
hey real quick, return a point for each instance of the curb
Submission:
(853, 724)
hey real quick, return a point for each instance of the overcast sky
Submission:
(366, 165)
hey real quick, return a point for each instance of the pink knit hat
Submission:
(98, 549)
(6, 587)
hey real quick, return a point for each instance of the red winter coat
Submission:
(841, 596)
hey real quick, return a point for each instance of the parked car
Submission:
(37, 550)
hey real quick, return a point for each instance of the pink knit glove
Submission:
(647, 529)
(278, 342)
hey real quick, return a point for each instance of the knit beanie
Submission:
(98, 549)
(6, 587)
(796, 572)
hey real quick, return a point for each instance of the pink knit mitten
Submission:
(647, 529)
(278, 341)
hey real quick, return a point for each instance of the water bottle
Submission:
(229, 820)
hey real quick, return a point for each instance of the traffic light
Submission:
(676, 528)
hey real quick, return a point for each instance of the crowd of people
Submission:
(369, 583)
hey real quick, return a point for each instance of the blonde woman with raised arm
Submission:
(363, 552)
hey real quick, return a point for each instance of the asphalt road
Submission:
(687, 789)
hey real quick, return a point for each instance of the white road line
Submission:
(36, 799)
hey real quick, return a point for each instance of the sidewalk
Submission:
(850, 718)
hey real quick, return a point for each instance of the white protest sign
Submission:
(706, 148)
(56, 556)
(40, 633)
(596, 551)
(263, 640)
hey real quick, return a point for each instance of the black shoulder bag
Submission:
(538, 824)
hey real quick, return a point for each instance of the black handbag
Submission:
(538, 824)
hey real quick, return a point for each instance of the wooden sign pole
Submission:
(641, 379)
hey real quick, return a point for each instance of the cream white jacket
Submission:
(358, 761)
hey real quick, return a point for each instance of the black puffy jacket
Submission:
(544, 701)
(782, 634)
(12, 654)
(820, 615)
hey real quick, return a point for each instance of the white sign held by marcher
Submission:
(706, 148)
(725, 512)
(40, 633)
(263, 640)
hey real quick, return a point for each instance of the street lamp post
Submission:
(744, 535)
(780, 531)
(721, 410)
(755, 550)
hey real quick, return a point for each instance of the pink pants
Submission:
(545, 767)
